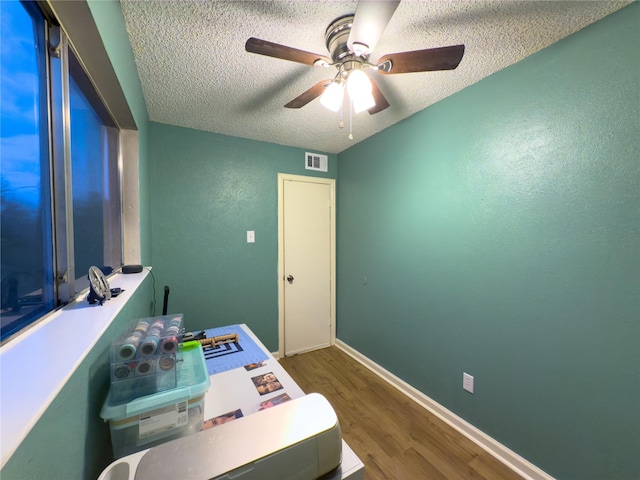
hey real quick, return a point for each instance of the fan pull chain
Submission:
(350, 120)
(341, 124)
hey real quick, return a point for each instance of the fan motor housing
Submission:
(336, 37)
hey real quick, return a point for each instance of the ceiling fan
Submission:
(350, 40)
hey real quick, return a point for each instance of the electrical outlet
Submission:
(467, 382)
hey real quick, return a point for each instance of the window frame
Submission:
(65, 65)
(48, 297)
(60, 61)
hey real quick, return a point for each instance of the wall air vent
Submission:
(315, 161)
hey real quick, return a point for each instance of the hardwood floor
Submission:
(394, 437)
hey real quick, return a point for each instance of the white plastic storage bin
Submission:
(153, 419)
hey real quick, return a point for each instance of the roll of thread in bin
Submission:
(174, 323)
(129, 347)
(150, 344)
(123, 370)
(169, 344)
(145, 367)
(173, 327)
(167, 362)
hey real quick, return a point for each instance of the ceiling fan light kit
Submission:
(332, 96)
(350, 39)
(359, 88)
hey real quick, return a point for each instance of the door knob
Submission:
(290, 278)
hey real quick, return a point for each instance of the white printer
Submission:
(297, 440)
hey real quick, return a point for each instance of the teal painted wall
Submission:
(498, 232)
(70, 441)
(208, 190)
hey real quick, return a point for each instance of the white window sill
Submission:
(35, 366)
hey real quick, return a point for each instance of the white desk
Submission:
(233, 391)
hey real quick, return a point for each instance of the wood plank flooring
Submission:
(394, 437)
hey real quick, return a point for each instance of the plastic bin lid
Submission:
(193, 380)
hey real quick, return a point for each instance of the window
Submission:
(60, 184)
(94, 173)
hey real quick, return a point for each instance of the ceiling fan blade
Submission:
(270, 49)
(428, 60)
(369, 22)
(311, 94)
(381, 102)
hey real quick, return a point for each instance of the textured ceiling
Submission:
(196, 73)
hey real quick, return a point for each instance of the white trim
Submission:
(130, 178)
(35, 366)
(508, 457)
(332, 185)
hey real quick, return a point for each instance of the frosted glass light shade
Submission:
(359, 88)
(332, 96)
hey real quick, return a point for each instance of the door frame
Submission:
(281, 273)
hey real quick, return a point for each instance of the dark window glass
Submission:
(95, 180)
(26, 250)
(87, 178)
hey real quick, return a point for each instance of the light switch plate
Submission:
(467, 382)
(251, 236)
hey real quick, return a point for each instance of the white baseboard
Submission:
(511, 459)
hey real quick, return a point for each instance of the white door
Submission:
(307, 224)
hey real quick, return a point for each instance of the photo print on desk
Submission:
(272, 402)
(253, 366)
(220, 419)
(266, 383)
